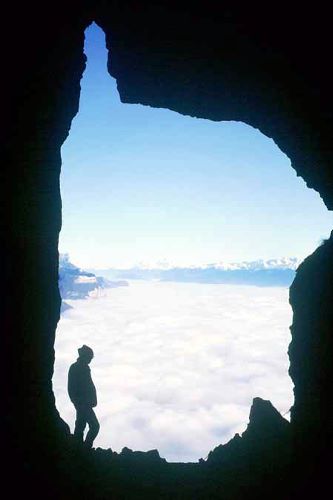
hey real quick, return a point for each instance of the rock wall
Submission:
(268, 68)
(43, 66)
(310, 353)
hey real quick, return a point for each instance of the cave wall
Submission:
(40, 88)
(267, 68)
(310, 351)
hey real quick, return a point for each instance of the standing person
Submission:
(82, 393)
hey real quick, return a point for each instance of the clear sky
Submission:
(141, 184)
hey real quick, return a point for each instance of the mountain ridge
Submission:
(76, 283)
(271, 272)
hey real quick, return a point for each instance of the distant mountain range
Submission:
(273, 272)
(75, 283)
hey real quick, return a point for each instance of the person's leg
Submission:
(93, 428)
(80, 423)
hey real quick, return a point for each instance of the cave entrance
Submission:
(206, 224)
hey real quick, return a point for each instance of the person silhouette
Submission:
(82, 393)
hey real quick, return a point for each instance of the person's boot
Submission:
(88, 444)
(78, 441)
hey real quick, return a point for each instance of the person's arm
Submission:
(92, 391)
(71, 385)
(74, 385)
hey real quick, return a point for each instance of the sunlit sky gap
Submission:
(176, 365)
(141, 184)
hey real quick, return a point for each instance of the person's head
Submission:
(86, 354)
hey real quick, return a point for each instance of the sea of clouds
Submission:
(177, 364)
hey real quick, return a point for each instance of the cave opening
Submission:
(142, 413)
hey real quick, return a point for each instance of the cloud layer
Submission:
(177, 364)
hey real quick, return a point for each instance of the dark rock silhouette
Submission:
(265, 426)
(222, 61)
(261, 456)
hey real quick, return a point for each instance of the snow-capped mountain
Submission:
(255, 265)
(272, 272)
(75, 283)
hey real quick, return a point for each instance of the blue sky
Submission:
(145, 184)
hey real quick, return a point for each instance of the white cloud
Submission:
(177, 364)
